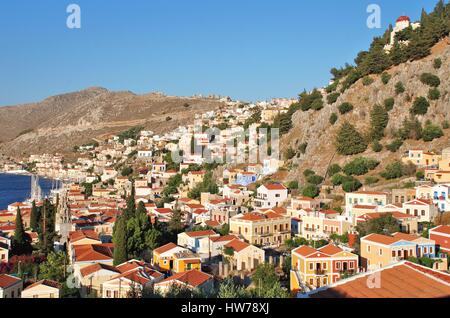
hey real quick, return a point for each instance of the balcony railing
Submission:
(320, 272)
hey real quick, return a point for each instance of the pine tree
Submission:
(379, 118)
(21, 242)
(349, 141)
(34, 217)
(120, 241)
(176, 222)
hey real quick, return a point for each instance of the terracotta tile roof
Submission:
(237, 245)
(305, 250)
(212, 223)
(93, 252)
(274, 186)
(85, 271)
(444, 229)
(75, 236)
(224, 238)
(402, 280)
(201, 233)
(7, 280)
(253, 216)
(365, 207)
(383, 239)
(164, 248)
(45, 282)
(192, 278)
(330, 249)
(404, 236)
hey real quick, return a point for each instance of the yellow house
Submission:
(379, 250)
(261, 228)
(314, 268)
(171, 257)
(422, 158)
(441, 177)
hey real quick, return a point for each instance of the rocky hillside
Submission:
(60, 122)
(314, 127)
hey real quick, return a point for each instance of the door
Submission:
(405, 254)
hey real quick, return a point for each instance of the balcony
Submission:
(320, 272)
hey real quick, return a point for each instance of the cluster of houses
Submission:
(259, 219)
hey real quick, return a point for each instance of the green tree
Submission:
(351, 185)
(377, 146)
(266, 283)
(35, 216)
(430, 79)
(349, 141)
(54, 267)
(21, 242)
(333, 169)
(229, 289)
(120, 240)
(360, 166)
(176, 224)
(437, 63)
(385, 224)
(385, 78)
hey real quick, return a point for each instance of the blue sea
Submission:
(17, 188)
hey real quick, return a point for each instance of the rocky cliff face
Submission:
(60, 122)
(313, 127)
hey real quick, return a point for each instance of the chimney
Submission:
(352, 237)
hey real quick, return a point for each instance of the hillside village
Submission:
(130, 222)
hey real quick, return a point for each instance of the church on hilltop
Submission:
(401, 24)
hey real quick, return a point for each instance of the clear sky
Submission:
(247, 49)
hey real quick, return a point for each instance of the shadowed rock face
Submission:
(314, 128)
(60, 122)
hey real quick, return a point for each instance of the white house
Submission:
(364, 198)
(441, 197)
(10, 286)
(270, 196)
(191, 240)
(425, 210)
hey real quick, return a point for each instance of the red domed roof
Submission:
(403, 18)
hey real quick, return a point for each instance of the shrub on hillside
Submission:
(377, 146)
(332, 98)
(290, 153)
(371, 180)
(445, 124)
(389, 103)
(399, 88)
(351, 185)
(385, 78)
(431, 132)
(437, 63)
(395, 145)
(310, 101)
(434, 94)
(393, 170)
(302, 148)
(430, 79)
(308, 172)
(420, 106)
(314, 179)
(367, 81)
(333, 169)
(333, 118)
(310, 191)
(379, 119)
(360, 166)
(345, 108)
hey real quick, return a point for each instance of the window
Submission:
(324, 265)
(116, 294)
(311, 266)
(425, 250)
(311, 281)
(52, 295)
(338, 265)
(368, 248)
(108, 294)
(393, 253)
(350, 265)
(380, 252)
(423, 212)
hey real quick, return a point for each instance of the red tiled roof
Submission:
(402, 280)
(45, 282)
(7, 280)
(237, 245)
(201, 233)
(75, 236)
(85, 271)
(93, 252)
(192, 278)
(330, 249)
(164, 248)
(275, 186)
(445, 229)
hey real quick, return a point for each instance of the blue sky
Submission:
(247, 49)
